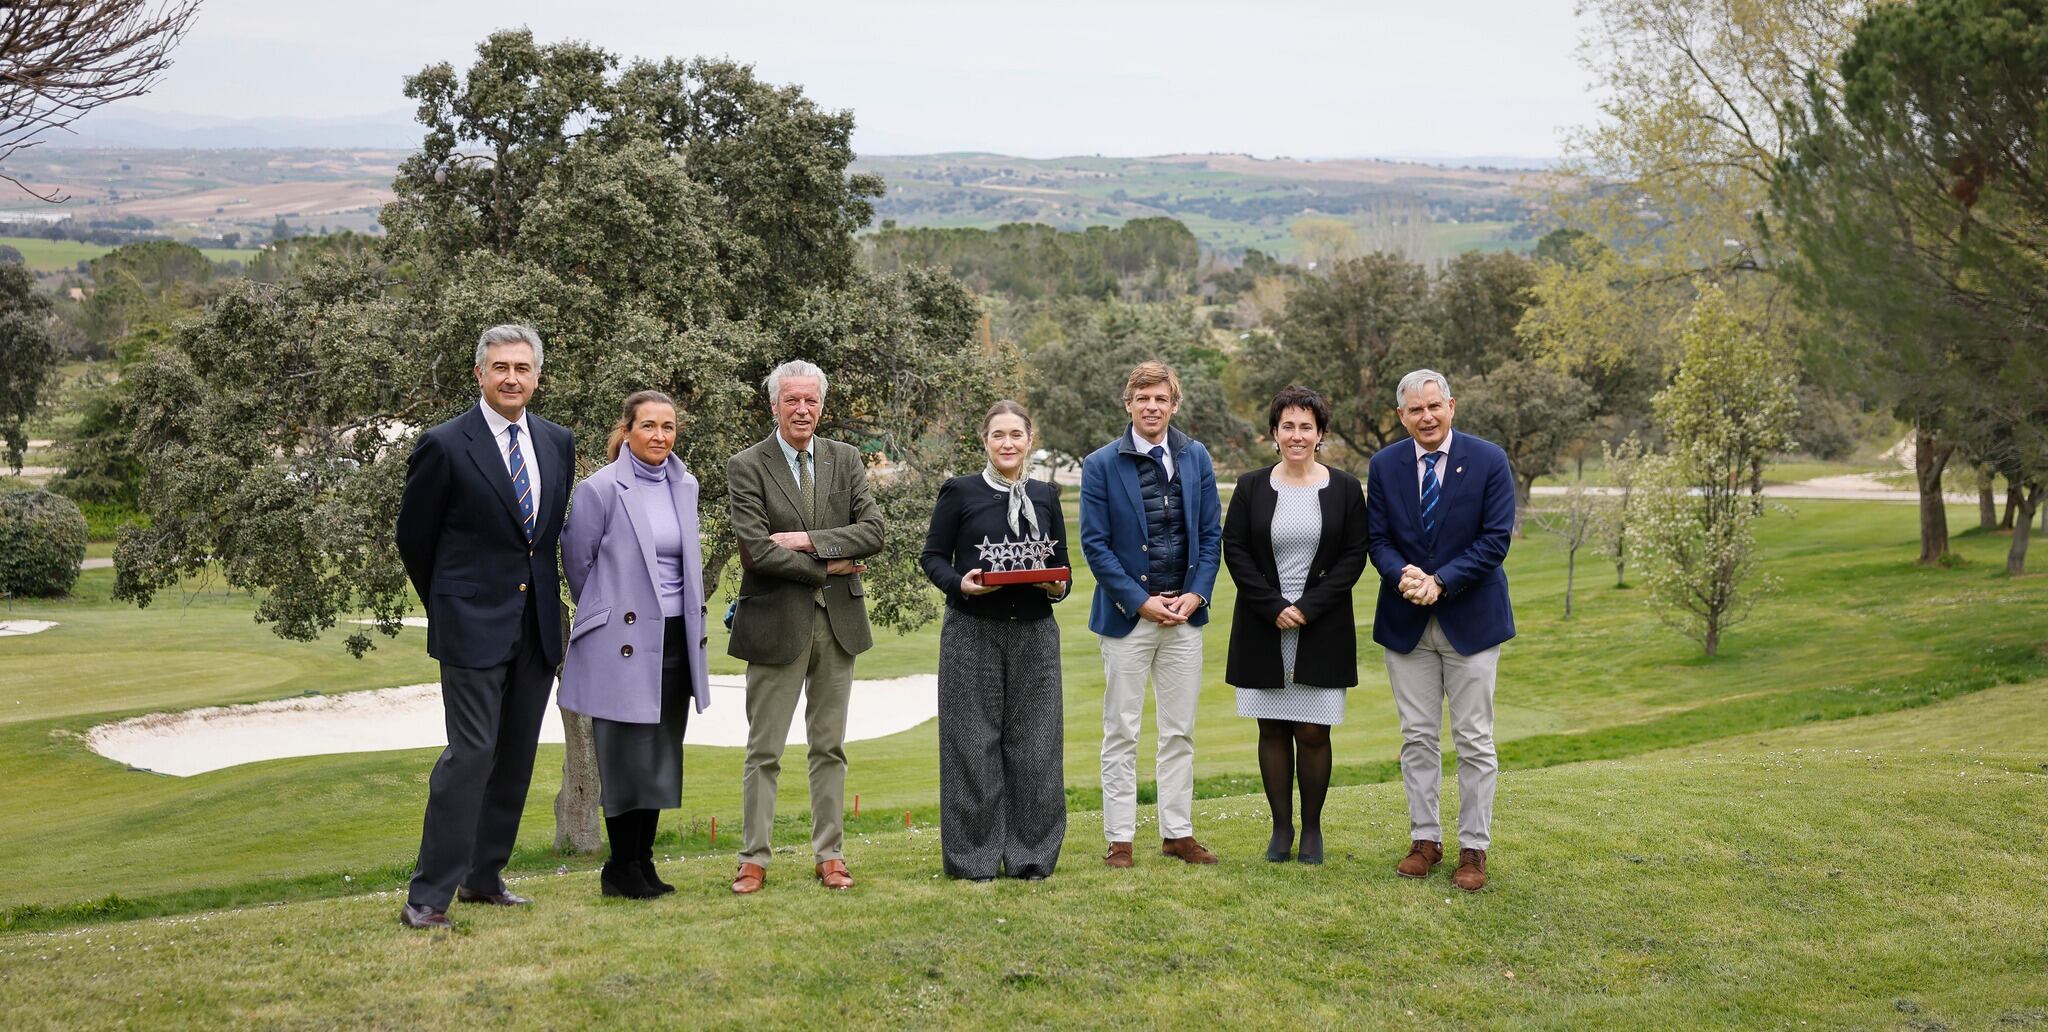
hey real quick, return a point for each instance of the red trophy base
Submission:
(1049, 575)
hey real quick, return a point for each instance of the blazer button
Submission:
(1144, 548)
(1143, 577)
(630, 617)
(626, 651)
(522, 587)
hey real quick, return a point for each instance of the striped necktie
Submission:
(522, 485)
(1430, 493)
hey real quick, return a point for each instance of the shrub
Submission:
(42, 540)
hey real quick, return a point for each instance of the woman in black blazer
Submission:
(1002, 786)
(1295, 542)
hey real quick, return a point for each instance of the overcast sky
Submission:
(1034, 77)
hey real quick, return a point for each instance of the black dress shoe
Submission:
(414, 916)
(504, 897)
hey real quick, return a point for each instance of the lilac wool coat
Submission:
(613, 669)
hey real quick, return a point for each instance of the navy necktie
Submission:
(522, 485)
(1158, 454)
(1430, 493)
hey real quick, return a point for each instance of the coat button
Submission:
(626, 651)
(630, 618)
(1143, 577)
(522, 587)
(1144, 548)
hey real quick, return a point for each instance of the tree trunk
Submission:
(1571, 561)
(2012, 504)
(576, 823)
(1930, 455)
(2016, 557)
(1713, 638)
(1987, 502)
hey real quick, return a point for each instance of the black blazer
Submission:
(465, 550)
(1327, 656)
(969, 512)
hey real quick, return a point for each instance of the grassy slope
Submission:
(57, 255)
(1863, 874)
(1859, 629)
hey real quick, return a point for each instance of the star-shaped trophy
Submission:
(1020, 562)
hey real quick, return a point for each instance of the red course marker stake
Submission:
(856, 804)
(906, 818)
(714, 831)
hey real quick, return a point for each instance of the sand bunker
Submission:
(9, 628)
(196, 741)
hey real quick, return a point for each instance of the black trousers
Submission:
(478, 789)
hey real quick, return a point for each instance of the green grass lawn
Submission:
(58, 255)
(1858, 629)
(1880, 872)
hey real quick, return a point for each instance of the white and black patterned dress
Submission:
(1297, 530)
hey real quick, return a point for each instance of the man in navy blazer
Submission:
(477, 530)
(1151, 527)
(1440, 511)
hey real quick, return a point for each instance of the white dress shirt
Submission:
(789, 454)
(1420, 466)
(498, 425)
(1145, 448)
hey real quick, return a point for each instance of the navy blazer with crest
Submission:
(463, 545)
(1477, 498)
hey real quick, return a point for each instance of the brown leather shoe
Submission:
(833, 874)
(1119, 855)
(1471, 872)
(504, 897)
(413, 916)
(1186, 849)
(749, 880)
(1423, 856)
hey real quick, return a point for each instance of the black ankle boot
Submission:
(621, 875)
(649, 819)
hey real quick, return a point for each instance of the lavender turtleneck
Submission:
(655, 506)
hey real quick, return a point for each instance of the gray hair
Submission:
(1414, 382)
(798, 368)
(508, 333)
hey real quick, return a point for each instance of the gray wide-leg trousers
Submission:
(1002, 794)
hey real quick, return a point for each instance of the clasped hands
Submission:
(1169, 610)
(1419, 587)
(800, 541)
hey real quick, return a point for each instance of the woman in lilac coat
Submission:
(636, 657)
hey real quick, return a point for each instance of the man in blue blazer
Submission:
(1440, 510)
(477, 530)
(1152, 529)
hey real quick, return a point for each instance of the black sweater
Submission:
(968, 512)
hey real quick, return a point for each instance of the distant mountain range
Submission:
(130, 127)
(123, 127)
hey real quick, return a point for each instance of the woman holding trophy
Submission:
(997, 548)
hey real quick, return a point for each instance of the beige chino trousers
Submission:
(1424, 680)
(823, 675)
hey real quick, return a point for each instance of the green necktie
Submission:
(807, 488)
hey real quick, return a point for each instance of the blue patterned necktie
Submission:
(522, 485)
(1429, 495)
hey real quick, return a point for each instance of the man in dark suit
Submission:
(477, 529)
(805, 518)
(1440, 510)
